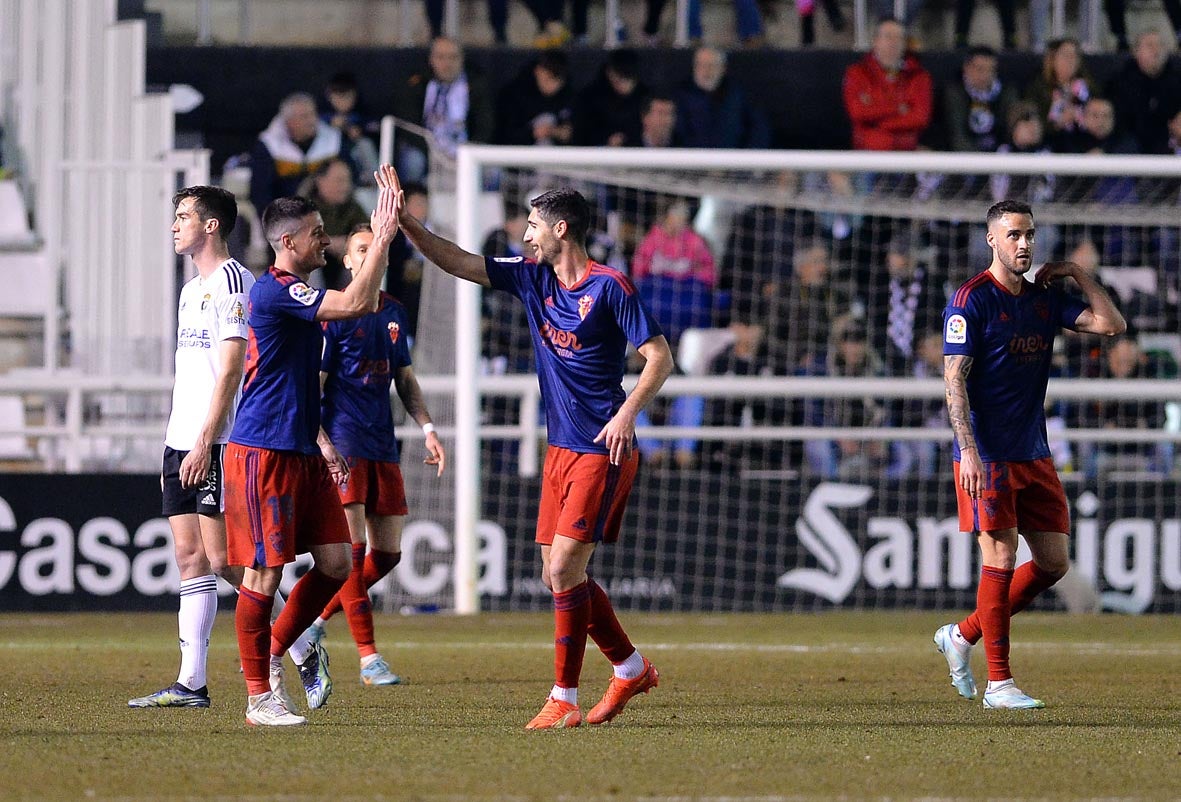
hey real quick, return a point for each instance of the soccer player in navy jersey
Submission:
(998, 335)
(581, 317)
(361, 359)
(281, 474)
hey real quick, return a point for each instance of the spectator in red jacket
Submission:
(888, 93)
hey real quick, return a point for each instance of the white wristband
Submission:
(428, 428)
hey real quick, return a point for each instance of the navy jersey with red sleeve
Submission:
(360, 358)
(280, 407)
(1011, 341)
(580, 336)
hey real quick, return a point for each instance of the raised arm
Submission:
(361, 296)
(231, 355)
(1101, 316)
(410, 393)
(444, 253)
(955, 384)
(620, 432)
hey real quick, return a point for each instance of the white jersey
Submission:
(211, 310)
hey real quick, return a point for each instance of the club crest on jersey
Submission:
(394, 331)
(205, 302)
(303, 294)
(957, 330)
(584, 306)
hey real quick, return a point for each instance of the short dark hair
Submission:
(415, 188)
(359, 228)
(624, 62)
(212, 203)
(342, 82)
(566, 204)
(657, 97)
(997, 210)
(554, 62)
(323, 167)
(279, 215)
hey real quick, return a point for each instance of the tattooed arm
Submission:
(955, 383)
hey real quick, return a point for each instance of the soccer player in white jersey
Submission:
(211, 340)
(210, 348)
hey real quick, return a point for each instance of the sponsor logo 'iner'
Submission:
(560, 339)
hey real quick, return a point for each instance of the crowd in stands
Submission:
(799, 293)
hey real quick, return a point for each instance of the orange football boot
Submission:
(556, 715)
(620, 691)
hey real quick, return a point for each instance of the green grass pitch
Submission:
(818, 706)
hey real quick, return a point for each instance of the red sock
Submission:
(604, 628)
(992, 606)
(354, 597)
(1028, 582)
(572, 611)
(252, 620)
(377, 565)
(307, 598)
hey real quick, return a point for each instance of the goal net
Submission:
(799, 459)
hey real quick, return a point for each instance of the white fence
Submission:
(94, 156)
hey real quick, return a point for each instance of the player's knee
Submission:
(192, 563)
(335, 564)
(563, 577)
(230, 573)
(1055, 569)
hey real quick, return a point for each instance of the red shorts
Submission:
(377, 485)
(1025, 495)
(278, 504)
(583, 496)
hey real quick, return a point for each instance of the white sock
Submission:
(300, 650)
(567, 695)
(369, 660)
(302, 647)
(198, 606)
(999, 685)
(957, 637)
(630, 668)
(320, 622)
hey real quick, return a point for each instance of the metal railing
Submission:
(76, 429)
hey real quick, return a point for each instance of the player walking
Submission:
(998, 339)
(581, 317)
(281, 499)
(361, 358)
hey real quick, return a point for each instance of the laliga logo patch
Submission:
(303, 294)
(584, 306)
(957, 330)
(394, 330)
(237, 314)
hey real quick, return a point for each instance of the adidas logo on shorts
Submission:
(209, 499)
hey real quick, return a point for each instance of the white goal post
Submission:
(720, 172)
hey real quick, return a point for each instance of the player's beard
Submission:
(544, 254)
(1015, 267)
